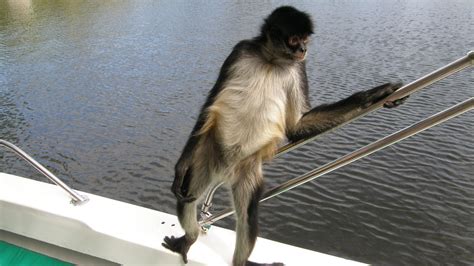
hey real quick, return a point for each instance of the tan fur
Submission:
(269, 93)
(211, 120)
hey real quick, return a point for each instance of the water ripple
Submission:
(105, 95)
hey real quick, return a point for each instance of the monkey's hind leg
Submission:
(187, 216)
(247, 191)
(182, 244)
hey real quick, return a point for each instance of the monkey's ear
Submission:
(274, 32)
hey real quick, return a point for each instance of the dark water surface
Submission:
(105, 93)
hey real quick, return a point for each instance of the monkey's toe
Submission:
(179, 245)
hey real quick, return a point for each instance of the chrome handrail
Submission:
(441, 73)
(437, 75)
(76, 198)
(356, 155)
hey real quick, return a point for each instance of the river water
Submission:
(105, 93)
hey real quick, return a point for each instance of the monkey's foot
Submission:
(251, 263)
(179, 245)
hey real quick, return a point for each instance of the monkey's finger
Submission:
(392, 104)
(176, 187)
(183, 199)
(178, 195)
(186, 199)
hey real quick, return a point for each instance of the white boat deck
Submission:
(124, 233)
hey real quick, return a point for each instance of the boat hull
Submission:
(124, 233)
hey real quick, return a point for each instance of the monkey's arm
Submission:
(327, 116)
(183, 170)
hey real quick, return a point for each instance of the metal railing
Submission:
(76, 198)
(441, 73)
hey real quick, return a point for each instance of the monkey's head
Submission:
(286, 33)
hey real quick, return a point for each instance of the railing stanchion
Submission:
(76, 198)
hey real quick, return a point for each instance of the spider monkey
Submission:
(259, 98)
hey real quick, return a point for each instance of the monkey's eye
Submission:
(305, 39)
(293, 40)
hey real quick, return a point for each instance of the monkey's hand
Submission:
(182, 179)
(378, 93)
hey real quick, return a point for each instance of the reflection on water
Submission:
(106, 93)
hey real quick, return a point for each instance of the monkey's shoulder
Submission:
(247, 45)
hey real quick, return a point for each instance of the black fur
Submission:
(252, 213)
(183, 165)
(286, 21)
(327, 116)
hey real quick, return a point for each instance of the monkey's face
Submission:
(297, 47)
(288, 31)
(289, 49)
